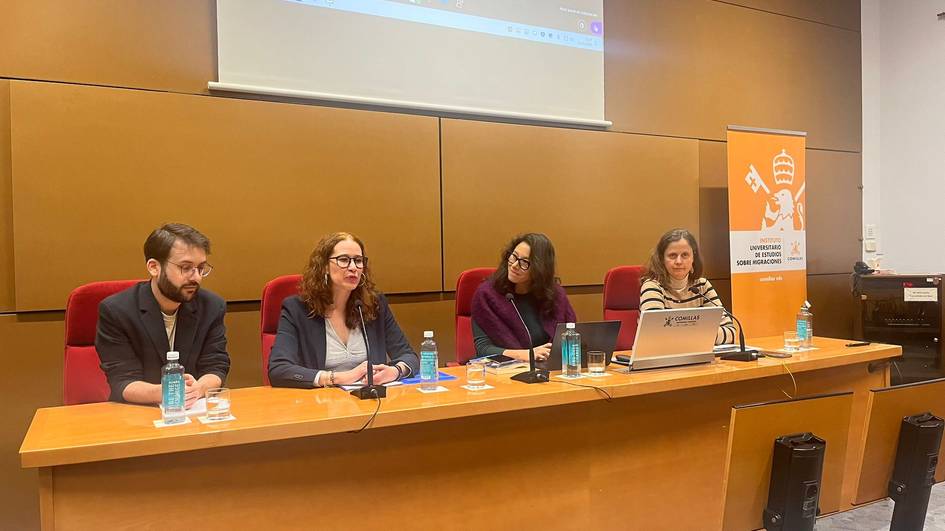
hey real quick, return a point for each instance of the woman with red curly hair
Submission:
(320, 342)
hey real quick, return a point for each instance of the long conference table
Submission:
(647, 454)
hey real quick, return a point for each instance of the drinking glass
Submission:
(218, 403)
(476, 374)
(792, 343)
(595, 363)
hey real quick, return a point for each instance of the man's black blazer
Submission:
(301, 345)
(132, 342)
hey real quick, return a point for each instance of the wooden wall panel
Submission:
(31, 350)
(723, 286)
(834, 211)
(588, 304)
(416, 314)
(164, 45)
(688, 68)
(841, 13)
(713, 209)
(593, 193)
(6, 203)
(97, 169)
(244, 345)
(833, 305)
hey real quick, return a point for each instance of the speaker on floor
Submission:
(920, 438)
(794, 489)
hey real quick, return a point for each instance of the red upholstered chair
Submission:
(466, 286)
(622, 302)
(275, 291)
(82, 378)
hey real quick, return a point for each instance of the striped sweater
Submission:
(653, 296)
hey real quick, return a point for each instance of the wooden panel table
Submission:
(752, 433)
(513, 457)
(887, 407)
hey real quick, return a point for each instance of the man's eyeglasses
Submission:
(186, 270)
(344, 261)
(523, 263)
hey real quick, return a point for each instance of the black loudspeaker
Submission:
(794, 490)
(914, 474)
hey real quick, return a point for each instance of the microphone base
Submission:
(532, 377)
(744, 355)
(370, 391)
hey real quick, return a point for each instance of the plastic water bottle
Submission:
(570, 352)
(172, 390)
(805, 326)
(429, 372)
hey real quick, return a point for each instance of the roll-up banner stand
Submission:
(767, 218)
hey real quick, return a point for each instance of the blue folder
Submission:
(416, 379)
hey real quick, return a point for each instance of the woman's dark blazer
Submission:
(301, 344)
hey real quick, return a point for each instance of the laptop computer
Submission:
(595, 335)
(667, 338)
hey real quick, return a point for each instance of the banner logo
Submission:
(783, 208)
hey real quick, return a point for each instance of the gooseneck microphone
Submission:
(742, 354)
(370, 390)
(532, 375)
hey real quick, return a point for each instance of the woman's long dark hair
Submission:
(656, 269)
(541, 270)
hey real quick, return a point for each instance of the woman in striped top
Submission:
(673, 279)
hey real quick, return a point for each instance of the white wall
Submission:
(904, 132)
(869, 33)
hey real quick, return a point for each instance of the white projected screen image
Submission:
(530, 59)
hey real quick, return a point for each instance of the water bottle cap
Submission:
(428, 334)
(569, 326)
(173, 356)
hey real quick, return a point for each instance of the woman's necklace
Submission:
(680, 289)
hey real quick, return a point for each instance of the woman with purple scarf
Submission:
(526, 278)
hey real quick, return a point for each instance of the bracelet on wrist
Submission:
(331, 378)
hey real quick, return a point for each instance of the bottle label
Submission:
(570, 352)
(428, 365)
(575, 360)
(802, 329)
(172, 391)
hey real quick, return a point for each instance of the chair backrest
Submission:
(466, 286)
(82, 378)
(273, 294)
(622, 302)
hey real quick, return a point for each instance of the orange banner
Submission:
(767, 219)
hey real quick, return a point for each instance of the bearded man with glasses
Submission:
(168, 312)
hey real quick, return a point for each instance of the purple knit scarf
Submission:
(497, 318)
